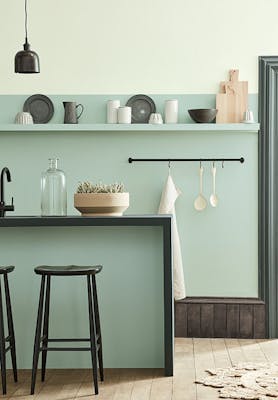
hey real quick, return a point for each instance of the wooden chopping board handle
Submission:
(233, 75)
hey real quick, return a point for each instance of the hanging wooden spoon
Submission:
(200, 203)
(213, 198)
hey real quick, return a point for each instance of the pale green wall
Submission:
(126, 46)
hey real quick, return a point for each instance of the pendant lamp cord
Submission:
(26, 17)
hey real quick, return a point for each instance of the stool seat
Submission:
(67, 270)
(6, 269)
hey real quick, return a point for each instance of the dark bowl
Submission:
(203, 115)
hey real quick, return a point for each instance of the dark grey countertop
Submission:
(73, 220)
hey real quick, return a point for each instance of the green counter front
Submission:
(135, 286)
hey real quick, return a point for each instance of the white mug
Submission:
(155, 118)
(171, 111)
(24, 118)
(112, 111)
(124, 115)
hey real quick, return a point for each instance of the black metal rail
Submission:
(131, 160)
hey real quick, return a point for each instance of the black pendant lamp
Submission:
(26, 61)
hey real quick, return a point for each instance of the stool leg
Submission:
(93, 341)
(10, 325)
(2, 347)
(45, 326)
(98, 330)
(37, 336)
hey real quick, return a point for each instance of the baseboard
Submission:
(217, 317)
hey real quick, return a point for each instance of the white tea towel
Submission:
(167, 206)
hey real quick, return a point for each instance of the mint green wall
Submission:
(219, 246)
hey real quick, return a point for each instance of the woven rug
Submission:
(250, 381)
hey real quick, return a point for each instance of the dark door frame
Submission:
(268, 190)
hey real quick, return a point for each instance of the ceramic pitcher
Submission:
(71, 116)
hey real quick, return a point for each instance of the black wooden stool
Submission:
(10, 338)
(41, 336)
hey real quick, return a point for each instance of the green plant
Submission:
(88, 187)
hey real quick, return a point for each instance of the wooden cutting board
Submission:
(232, 101)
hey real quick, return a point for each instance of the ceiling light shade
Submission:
(26, 61)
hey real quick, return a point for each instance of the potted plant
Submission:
(101, 199)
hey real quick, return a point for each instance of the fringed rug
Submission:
(248, 381)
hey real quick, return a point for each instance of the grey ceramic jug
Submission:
(71, 116)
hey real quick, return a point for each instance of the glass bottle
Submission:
(53, 190)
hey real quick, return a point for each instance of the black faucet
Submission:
(3, 206)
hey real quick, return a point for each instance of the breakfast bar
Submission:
(161, 221)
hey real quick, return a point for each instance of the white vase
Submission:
(112, 111)
(171, 111)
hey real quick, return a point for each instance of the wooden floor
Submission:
(192, 357)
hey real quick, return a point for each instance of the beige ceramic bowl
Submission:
(101, 203)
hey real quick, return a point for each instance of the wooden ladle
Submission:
(200, 203)
(213, 198)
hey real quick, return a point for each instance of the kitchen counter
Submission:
(163, 221)
(72, 220)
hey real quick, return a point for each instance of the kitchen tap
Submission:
(3, 206)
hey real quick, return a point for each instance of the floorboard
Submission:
(192, 358)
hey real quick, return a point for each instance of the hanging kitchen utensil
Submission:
(200, 203)
(213, 198)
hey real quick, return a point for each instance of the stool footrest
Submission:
(46, 348)
(7, 349)
(66, 339)
(65, 348)
(69, 340)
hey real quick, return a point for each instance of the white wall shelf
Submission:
(130, 127)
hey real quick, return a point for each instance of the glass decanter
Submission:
(53, 190)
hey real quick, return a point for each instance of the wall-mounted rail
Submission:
(131, 160)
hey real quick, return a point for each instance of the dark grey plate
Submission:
(142, 107)
(40, 107)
